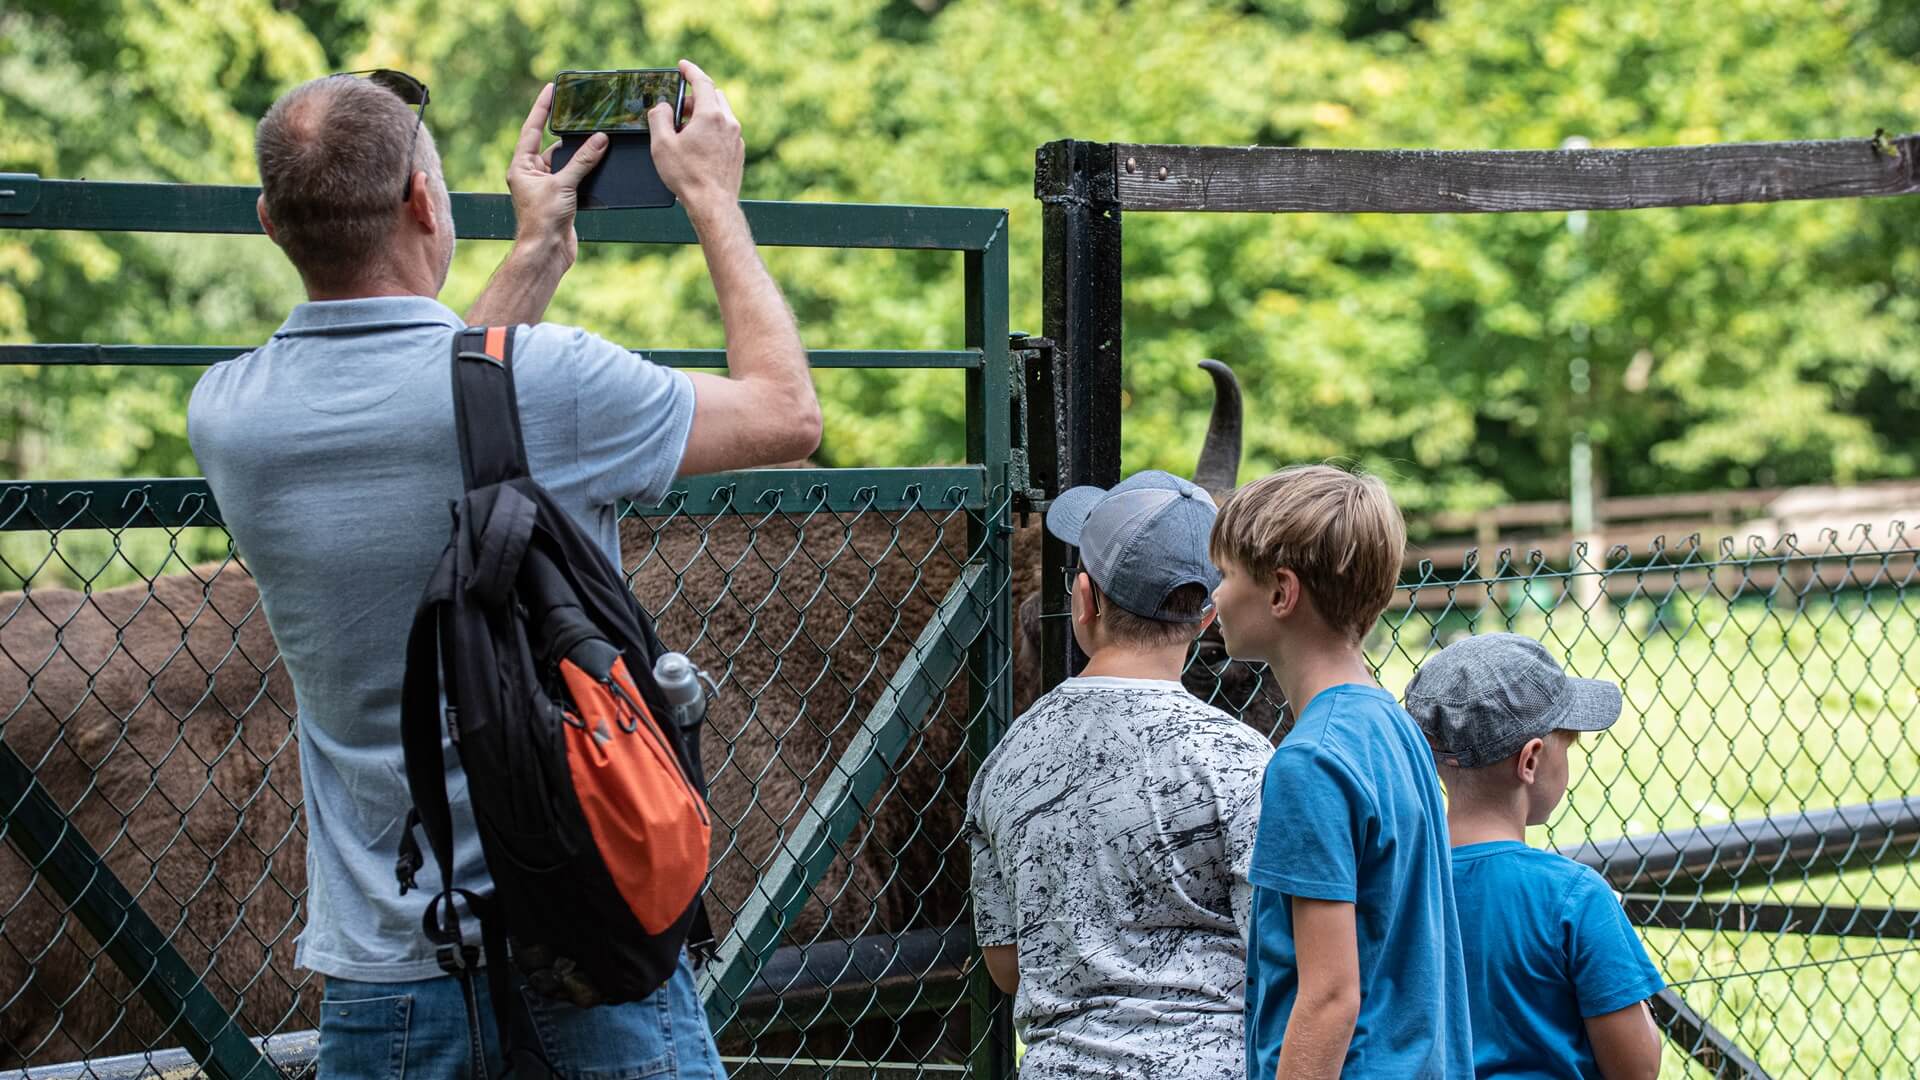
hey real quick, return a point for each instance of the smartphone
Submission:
(616, 102)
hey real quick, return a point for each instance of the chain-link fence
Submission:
(844, 622)
(1758, 804)
(856, 621)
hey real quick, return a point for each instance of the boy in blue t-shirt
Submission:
(1557, 980)
(1353, 962)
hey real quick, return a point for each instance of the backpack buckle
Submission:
(457, 959)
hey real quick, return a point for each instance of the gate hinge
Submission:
(1031, 459)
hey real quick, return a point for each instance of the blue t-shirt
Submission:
(1546, 945)
(1351, 811)
(331, 453)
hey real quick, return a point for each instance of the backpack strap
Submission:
(486, 410)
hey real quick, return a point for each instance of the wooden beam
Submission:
(1265, 179)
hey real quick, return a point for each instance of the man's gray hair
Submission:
(333, 160)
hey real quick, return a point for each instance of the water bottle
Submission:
(680, 683)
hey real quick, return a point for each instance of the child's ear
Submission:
(1085, 608)
(1284, 595)
(1526, 764)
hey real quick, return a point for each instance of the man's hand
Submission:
(544, 201)
(544, 243)
(702, 161)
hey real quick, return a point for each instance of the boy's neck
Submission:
(1473, 822)
(1115, 662)
(1304, 668)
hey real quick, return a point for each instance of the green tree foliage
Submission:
(1725, 347)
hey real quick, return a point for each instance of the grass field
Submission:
(1771, 704)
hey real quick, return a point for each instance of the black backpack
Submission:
(587, 794)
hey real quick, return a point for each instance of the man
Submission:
(332, 455)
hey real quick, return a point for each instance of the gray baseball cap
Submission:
(1481, 699)
(1141, 539)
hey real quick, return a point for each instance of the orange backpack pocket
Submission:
(649, 823)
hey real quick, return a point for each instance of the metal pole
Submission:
(1080, 287)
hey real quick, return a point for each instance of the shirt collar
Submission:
(367, 314)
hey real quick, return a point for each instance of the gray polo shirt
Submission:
(332, 455)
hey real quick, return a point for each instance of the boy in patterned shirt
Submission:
(1112, 827)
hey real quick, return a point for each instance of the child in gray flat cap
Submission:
(1112, 828)
(1557, 981)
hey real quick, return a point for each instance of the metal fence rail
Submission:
(857, 621)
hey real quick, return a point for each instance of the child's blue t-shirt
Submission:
(1546, 945)
(1351, 810)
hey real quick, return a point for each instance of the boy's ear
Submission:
(1085, 610)
(1284, 594)
(1526, 764)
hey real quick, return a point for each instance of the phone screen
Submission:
(612, 100)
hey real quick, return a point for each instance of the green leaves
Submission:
(1739, 345)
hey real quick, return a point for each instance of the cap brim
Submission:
(1595, 706)
(1069, 512)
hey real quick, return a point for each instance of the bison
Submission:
(159, 713)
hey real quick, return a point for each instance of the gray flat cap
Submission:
(1481, 699)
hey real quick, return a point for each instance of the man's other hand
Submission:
(702, 161)
(544, 200)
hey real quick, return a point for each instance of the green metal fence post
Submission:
(990, 393)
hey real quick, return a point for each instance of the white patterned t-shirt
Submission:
(1111, 833)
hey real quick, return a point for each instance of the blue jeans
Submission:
(418, 1031)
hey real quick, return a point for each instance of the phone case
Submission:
(625, 177)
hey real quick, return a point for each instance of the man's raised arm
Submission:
(544, 243)
(764, 411)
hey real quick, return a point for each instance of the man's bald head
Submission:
(333, 161)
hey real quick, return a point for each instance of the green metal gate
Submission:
(858, 622)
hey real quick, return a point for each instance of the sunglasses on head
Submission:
(410, 91)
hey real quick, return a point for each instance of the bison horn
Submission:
(1219, 467)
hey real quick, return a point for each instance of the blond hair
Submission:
(1338, 531)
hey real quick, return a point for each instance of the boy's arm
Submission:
(993, 906)
(1327, 949)
(1626, 1044)
(1612, 978)
(1003, 965)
